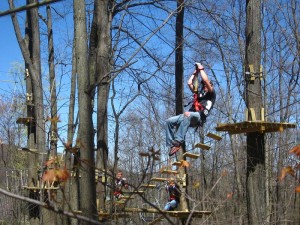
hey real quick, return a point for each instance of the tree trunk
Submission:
(87, 167)
(179, 57)
(72, 184)
(255, 178)
(103, 68)
(30, 48)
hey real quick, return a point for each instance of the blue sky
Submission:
(9, 50)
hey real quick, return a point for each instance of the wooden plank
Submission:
(262, 114)
(186, 214)
(126, 197)
(24, 120)
(114, 215)
(144, 154)
(156, 158)
(133, 192)
(159, 179)
(40, 188)
(252, 114)
(202, 146)
(148, 185)
(178, 163)
(33, 150)
(170, 171)
(191, 155)
(214, 136)
(156, 220)
(181, 214)
(149, 210)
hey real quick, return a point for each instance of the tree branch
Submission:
(26, 7)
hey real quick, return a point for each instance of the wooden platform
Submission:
(254, 126)
(180, 214)
(40, 188)
(114, 215)
(202, 146)
(186, 214)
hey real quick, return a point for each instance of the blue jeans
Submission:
(171, 205)
(181, 123)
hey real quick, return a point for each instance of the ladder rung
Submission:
(25, 120)
(170, 171)
(214, 136)
(144, 154)
(202, 146)
(159, 179)
(178, 163)
(191, 155)
(148, 185)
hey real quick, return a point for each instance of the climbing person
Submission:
(120, 183)
(177, 126)
(173, 195)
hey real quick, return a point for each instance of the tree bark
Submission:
(103, 67)
(30, 48)
(255, 178)
(87, 167)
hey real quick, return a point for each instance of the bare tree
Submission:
(30, 48)
(87, 164)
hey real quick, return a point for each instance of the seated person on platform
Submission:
(173, 196)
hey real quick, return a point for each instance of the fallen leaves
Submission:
(295, 150)
(59, 175)
(292, 170)
(285, 171)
